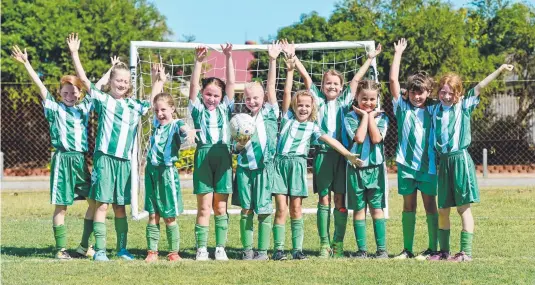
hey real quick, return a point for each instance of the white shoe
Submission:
(220, 254)
(202, 254)
(89, 252)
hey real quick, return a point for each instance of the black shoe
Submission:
(405, 254)
(279, 255)
(381, 254)
(361, 254)
(299, 255)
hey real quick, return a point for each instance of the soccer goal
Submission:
(251, 64)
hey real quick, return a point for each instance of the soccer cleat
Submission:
(361, 254)
(124, 254)
(325, 251)
(426, 254)
(405, 254)
(279, 255)
(381, 254)
(202, 254)
(152, 256)
(261, 256)
(62, 254)
(460, 257)
(84, 252)
(100, 256)
(220, 254)
(247, 254)
(440, 255)
(173, 256)
(338, 249)
(298, 255)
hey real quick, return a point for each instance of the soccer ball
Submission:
(242, 127)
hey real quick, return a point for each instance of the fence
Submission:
(501, 124)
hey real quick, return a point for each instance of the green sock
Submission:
(264, 231)
(173, 237)
(88, 230)
(379, 229)
(322, 220)
(359, 226)
(153, 236)
(60, 235)
(432, 231)
(121, 228)
(408, 222)
(466, 242)
(99, 229)
(340, 224)
(279, 236)
(444, 239)
(246, 231)
(297, 226)
(201, 235)
(221, 230)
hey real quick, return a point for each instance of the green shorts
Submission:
(69, 177)
(366, 186)
(290, 176)
(110, 179)
(162, 191)
(410, 180)
(329, 171)
(212, 170)
(253, 189)
(457, 182)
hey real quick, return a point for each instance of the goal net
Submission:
(251, 64)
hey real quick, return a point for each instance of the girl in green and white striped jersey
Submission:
(366, 185)
(211, 108)
(68, 131)
(163, 197)
(255, 163)
(415, 155)
(457, 183)
(118, 117)
(298, 128)
(329, 166)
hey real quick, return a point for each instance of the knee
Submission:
(169, 221)
(152, 219)
(246, 211)
(463, 209)
(376, 213)
(325, 200)
(119, 210)
(204, 210)
(295, 210)
(339, 201)
(444, 212)
(101, 207)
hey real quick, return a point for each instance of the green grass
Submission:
(504, 249)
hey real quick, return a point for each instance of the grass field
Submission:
(504, 249)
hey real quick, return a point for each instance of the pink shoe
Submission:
(460, 257)
(439, 255)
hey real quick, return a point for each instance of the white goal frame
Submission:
(135, 45)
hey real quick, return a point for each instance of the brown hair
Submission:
(214, 80)
(332, 72)
(293, 104)
(119, 66)
(74, 81)
(421, 81)
(456, 84)
(168, 98)
(366, 85)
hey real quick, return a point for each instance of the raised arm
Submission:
(289, 51)
(158, 80)
(287, 96)
(104, 80)
(273, 51)
(74, 45)
(399, 47)
(200, 54)
(231, 75)
(362, 130)
(351, 157)
(364, 68)
(22, 57)
(491, 77)
(373, 130)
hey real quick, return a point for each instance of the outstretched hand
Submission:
(200, 53)
(354, 160)
(507, 67)
(158, 72)
(274, 49)
(18, 55)
(227, 50)
(401, 45)
(376, 52)
(288, 48)
(115, 60)
(191, 136)
(73, 42)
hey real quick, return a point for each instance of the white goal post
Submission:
(136, 76)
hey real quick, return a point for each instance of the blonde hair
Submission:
(314, 111)
(74, 81)
(119, 66)
(456, 84)
(251, 87)
(167, 98)
(332, 72)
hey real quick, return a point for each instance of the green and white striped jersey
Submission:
(165, 142)
(452, 124)
(68, 125)
(213, 125)
(117, 122)
(371, 154)
(331, 114)
(415, 136)
(295, 137)
(261, 147)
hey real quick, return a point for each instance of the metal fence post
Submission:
(485, 170)
(1, 165)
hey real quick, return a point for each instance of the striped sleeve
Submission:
(316, 132)
(382, 125)
(351, 123)
(316, 93)
(95, 94)
(346, 97)
(399, 104)
(470, 101)
(178, 125)
(271, 109)
(50, 106)
(229, 104)
(195, 107)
